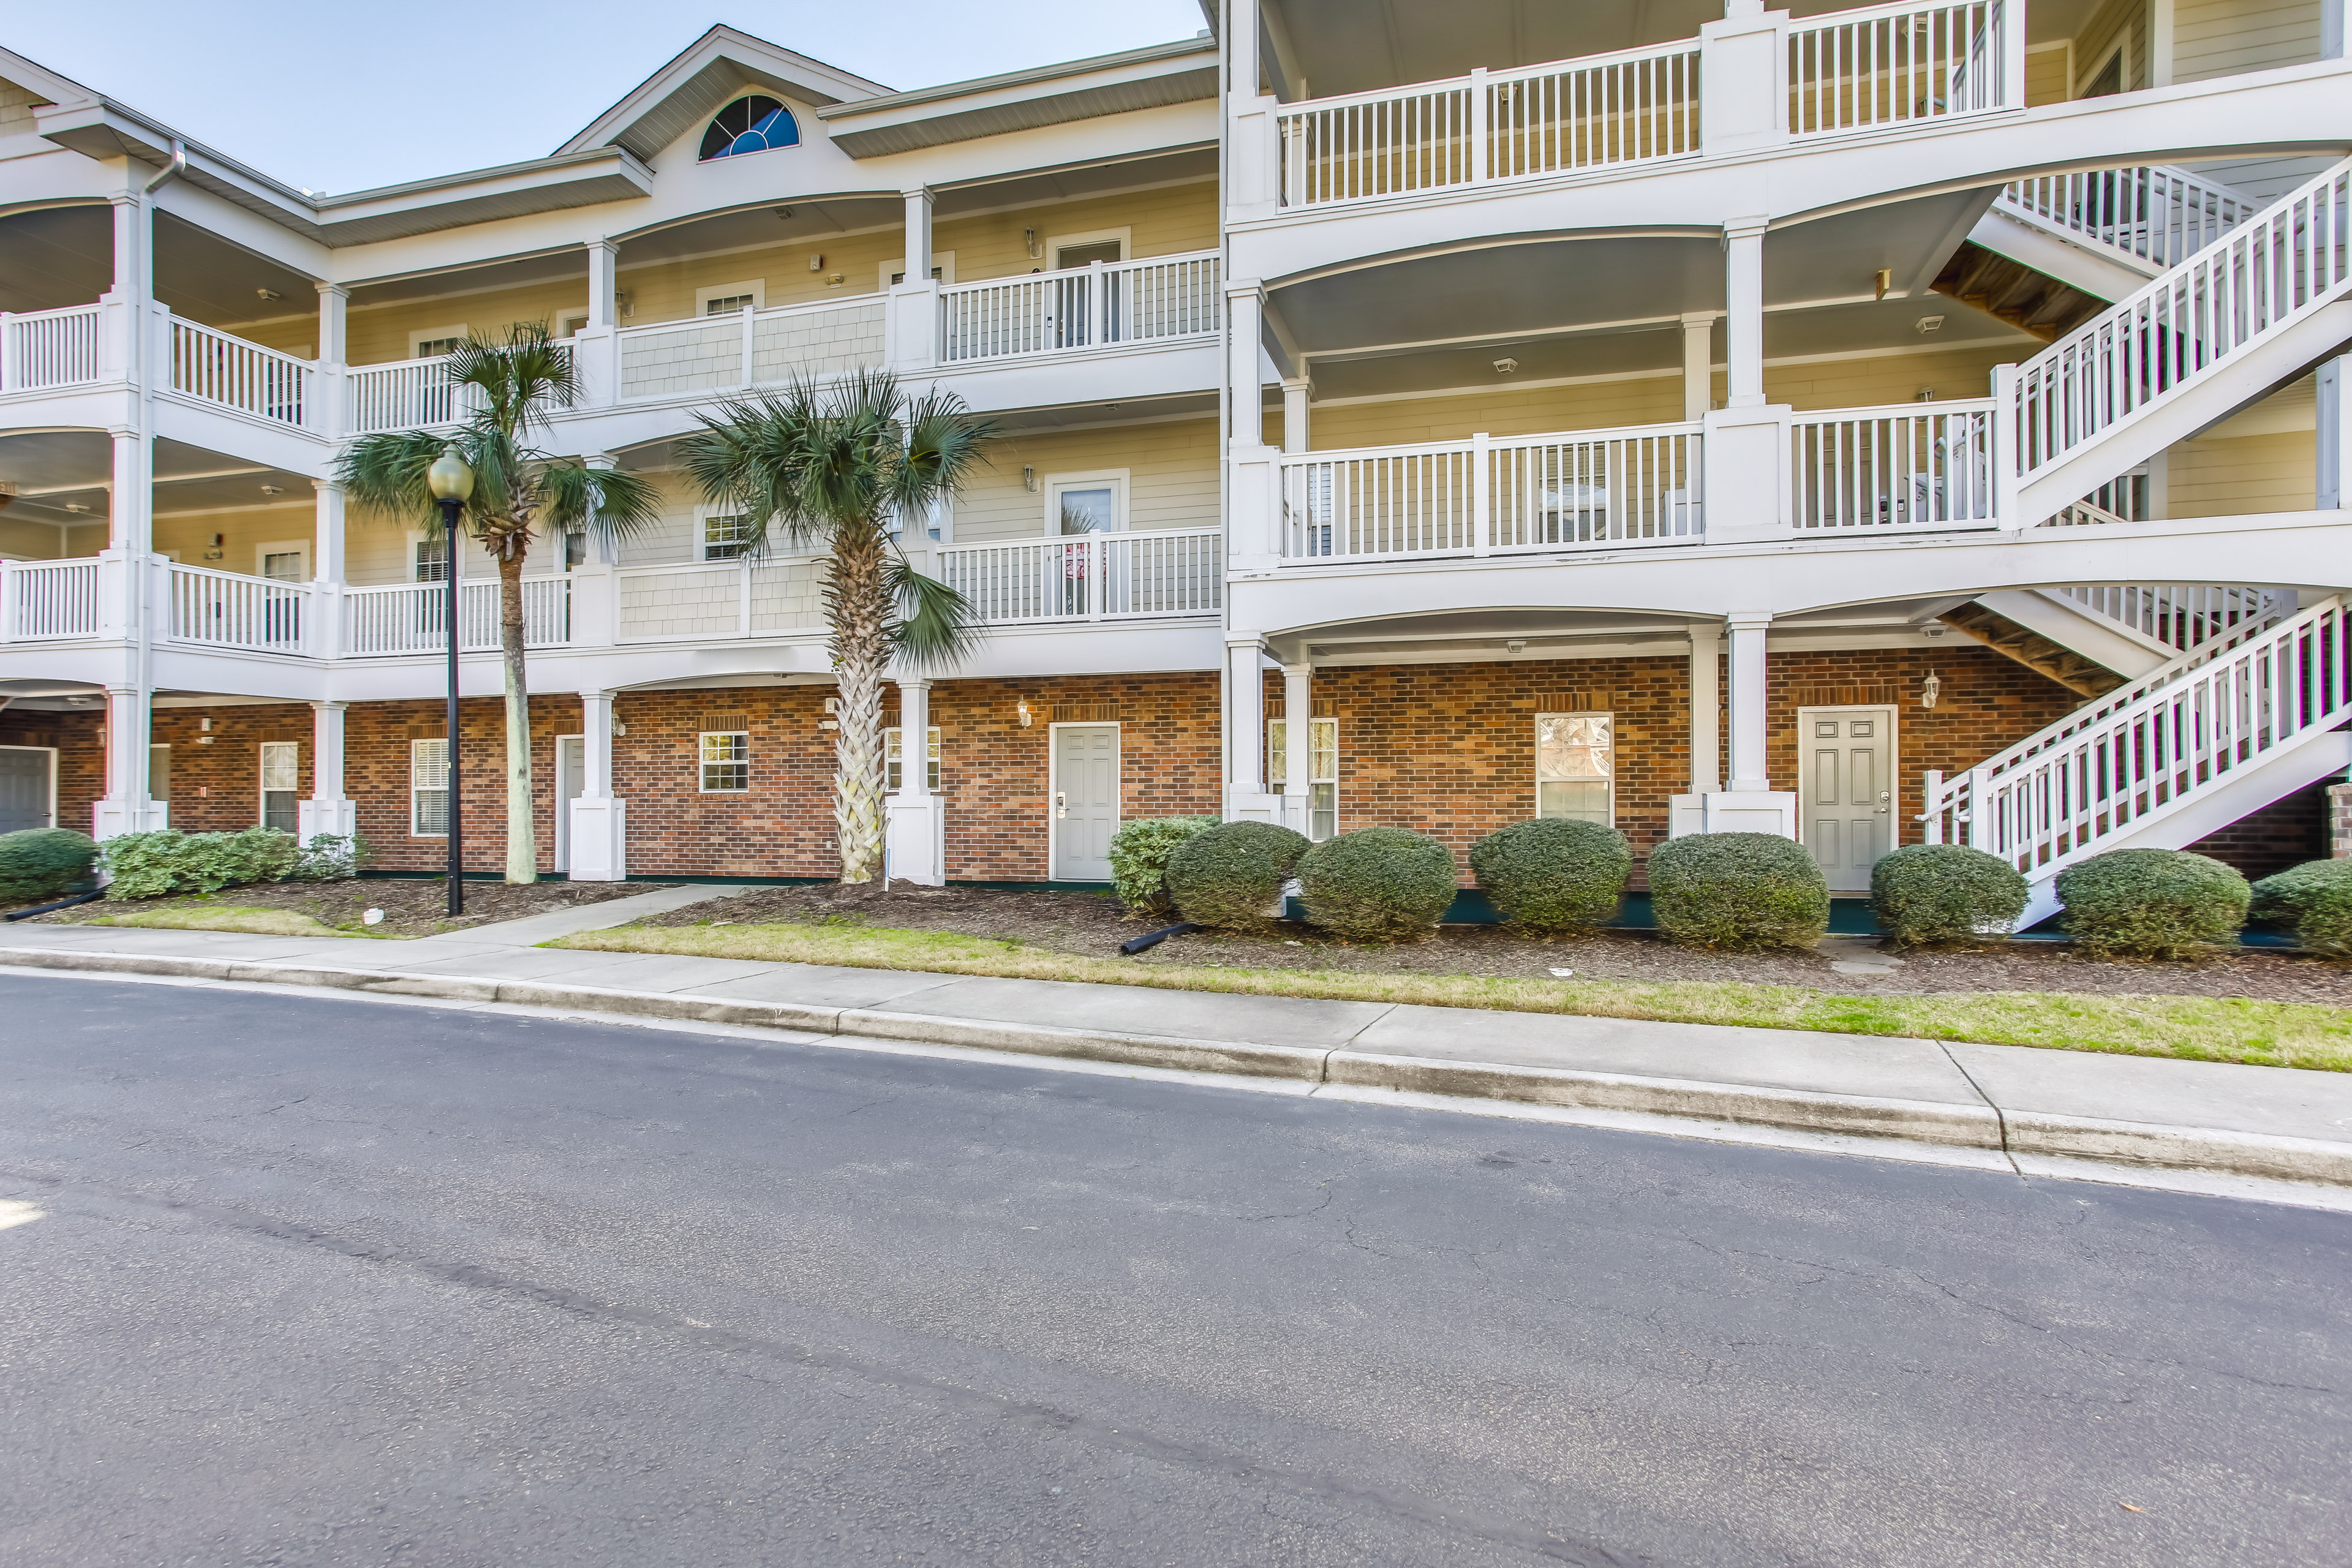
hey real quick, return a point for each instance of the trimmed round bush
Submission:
(1378, 884)
(2152, 903)
(1737, 890)
(43, 863)
(1231, 876)
(1928, 893)
(1554, 874)
(1138, 858)
(2312, 899)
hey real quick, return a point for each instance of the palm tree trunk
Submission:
(522, 833)
(861, 650)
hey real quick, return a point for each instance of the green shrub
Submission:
(1230, 876)
(1554, 874)
(2312, 899)
(43, 863)
(1737, 890)
(1138, 858)
(155, 865)
(331, 857)
(1926, 893)
(1378, 884)
(2152, 903)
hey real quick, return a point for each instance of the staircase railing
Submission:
(2179, 732)
(2183, 616)
(2273, 269)
(2160, 215)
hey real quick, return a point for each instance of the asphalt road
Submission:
(326, 1281)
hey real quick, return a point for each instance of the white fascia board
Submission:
(103, 130)
(242, 227)
(1021, 100)
(546, 185)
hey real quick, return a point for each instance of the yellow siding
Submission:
(1171, 478)
(664, 291)
(2226, 37)
(1865, 382)
(1165, 223)
(86, 540)
(23, 541)
(2099, 35)
(2225, 477)
(184, 537)
(2046, 75)
(376, 550)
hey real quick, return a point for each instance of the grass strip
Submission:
(2201, 1029)
(249, 918)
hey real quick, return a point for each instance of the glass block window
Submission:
(726, 759)
(428, 789)
(281, 783)
(752, 123)
(894, 761)
(1322, 771)
(1576, 766)
(725, 538)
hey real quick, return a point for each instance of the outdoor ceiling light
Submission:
(1928, 323)
(1506, 365)
(1515, 645)
(269, 293)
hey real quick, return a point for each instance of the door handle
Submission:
(1061, 804)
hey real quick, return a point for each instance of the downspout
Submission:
(169, 171)
(141, 763)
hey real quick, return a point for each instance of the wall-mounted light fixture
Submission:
(1020, 709)
(1886, 281)
(1029, 480)
(1924, 394)
(817, 263)
(1029, 238)
(1929, 689)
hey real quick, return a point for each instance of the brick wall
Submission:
(376, 738)
(216, 773)
(2287, 832)
(81, 762)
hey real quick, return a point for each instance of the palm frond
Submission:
(944, 446)
(937, 627)
(610, 504)
(384, 473)
(520, 373)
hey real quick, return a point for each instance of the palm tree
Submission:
(520, 492)
(830, 470)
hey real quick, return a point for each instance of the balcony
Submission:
(1091, 576)
(42, 601)
(1160, 299)
(412, 618)
(43, 349)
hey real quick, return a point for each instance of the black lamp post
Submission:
(451, 483)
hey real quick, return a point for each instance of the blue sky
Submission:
(343, 97)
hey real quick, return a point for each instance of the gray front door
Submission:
(1086, 801)
(571, 774)
(25, 789)
(1849, 791)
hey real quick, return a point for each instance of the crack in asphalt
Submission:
(1312, 1485)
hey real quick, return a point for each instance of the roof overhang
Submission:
(1151, 77)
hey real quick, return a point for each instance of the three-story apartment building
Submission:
(1862, 424)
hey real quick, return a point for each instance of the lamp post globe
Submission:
(452, 484)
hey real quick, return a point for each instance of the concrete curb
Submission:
(1982, 1126)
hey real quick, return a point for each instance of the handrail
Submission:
(1902, 63)
(1149, 300)
(2150, 212)
(1893, 466)
(1146, 573)
(44, 599)
(230, 609)
(221, 368)
(392, 618)
(48, 348)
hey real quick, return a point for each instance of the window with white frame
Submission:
(727, 299)
(428, 789)
(894, 761)
(726, 537)
(432, 559)
(1322, 771)
(726, 761)
(281, 783)
(1576, 766)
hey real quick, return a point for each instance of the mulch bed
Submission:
(1094, 924)
(410, 908)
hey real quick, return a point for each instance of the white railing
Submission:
(2160, 215)
(42, 599)
(2275, 268)
(1895, 64)
(1587, 489)
(751, 348)
(226, 370)
(1630, 107)
(2182, 616)
(411, 617)
(407, 395)
(228, 609)
(2065, 793)
(48, 348)
(1906, 465)
(1091, 576)
(1128, 302)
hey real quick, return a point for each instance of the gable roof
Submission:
(700, 80)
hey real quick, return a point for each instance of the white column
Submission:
(1743, 294)
(915, 819)
(131, 498)
(1245, 362)
(125, 808)
(919, 233)
(2333, 485)
(595, 346)
(1244, 716)
(911, 324)
(2331, 29)
(328, 810)
(123, 308)
(334, 301)
(604, 282)
(1297, 754)
(327, 547)
(1706, 708)
(600, 821)
(1295, 437)
(1253, 469)
(2159, 43)
(1699, 364)
(1252, 183)
(1751, 726)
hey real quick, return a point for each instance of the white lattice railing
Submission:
(41, 599)
(1150, 301)
(2182, 616)
(1587, 489)
(1895, 64)
(412, 618)
(751, 348)
(1091, 576)
(228, 609)
(2272, 270)
(2157, 215)
(1906, 465)
(2182, 732)
(229, 371)
(48, 348)
(1629, 106)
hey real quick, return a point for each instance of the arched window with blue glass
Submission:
(754, 123)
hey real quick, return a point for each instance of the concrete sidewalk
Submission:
(2004, 1106)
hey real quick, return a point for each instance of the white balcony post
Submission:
(1699, 364)
(1980, 830)
(327, 549)
(2159, 43)
(595, 347)
(1244, 694)
(915, 819)
(334, 416)
(600, 820)
(1482, 527)
(1743, 326)
(125, 808)
(749, 313)
(2331, 490)
(1295, 433)
(1253, 507)
(1253, 178)
(1297, 744)
(328, 810)
(1478, 166)
(1706, 708)
(1751, 724)
(911, 327)
(1742, 77)
(2013, 58)
(2008, 447)
(1099, 290)
(122, 311)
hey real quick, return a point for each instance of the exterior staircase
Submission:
(2108, 232)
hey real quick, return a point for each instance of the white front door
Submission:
(1086, 801)
(571, 774)
(1846, 776)
(27, 779)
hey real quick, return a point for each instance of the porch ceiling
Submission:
(203, 278)
(56, 257)
(55, 470)
(764, 224)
